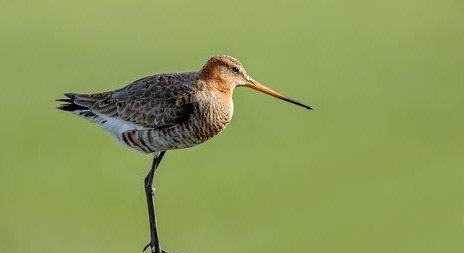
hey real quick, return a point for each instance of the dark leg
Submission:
(154, 242)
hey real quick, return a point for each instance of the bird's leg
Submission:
(154, 242)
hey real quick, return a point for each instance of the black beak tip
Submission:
(308, 107)
(300, 104)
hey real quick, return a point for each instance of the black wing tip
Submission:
(69, 104)
(70, 95)
(70, 107)
(67, 100)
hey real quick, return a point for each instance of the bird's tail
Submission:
(83, 105)
(79, 104)
(68, 103)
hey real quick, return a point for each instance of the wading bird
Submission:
(168, 111)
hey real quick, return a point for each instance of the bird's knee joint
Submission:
(150, 188)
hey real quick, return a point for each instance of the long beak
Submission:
(259, 87)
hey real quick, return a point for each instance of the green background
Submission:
(377, 167)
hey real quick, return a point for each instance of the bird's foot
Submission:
(152, 248)
(146, 247)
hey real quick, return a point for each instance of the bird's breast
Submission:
(214, 115)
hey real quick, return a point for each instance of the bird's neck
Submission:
(216, 84)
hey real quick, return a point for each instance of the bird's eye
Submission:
(235, 69)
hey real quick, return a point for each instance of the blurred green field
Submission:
(378, 167)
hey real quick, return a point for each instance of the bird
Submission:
(168, 111)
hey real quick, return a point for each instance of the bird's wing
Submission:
(151, 102)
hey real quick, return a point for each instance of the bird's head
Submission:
(227, 73)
